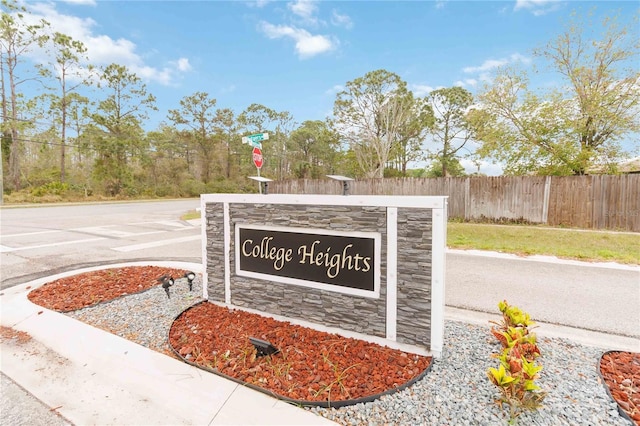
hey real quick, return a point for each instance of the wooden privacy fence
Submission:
(597, 201)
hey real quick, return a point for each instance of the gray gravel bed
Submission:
(455, 392)
(144, 318)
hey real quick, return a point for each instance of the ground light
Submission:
(264, 182)
(263, 347)
(167, 281)
(190, 276)
(345, 182)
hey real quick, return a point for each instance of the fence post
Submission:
(545, 202)
(467, 199)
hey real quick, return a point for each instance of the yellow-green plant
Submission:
(515, 377)
(501, 377)
(518, 390)
(517, 339)
(512, 316)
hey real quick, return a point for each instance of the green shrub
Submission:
(51, 188)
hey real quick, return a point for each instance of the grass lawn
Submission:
(190, 215)
(565, 243)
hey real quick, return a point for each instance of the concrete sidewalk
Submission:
(605, 341)
(90, 376)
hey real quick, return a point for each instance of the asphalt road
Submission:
(40, 241)
(589, 296)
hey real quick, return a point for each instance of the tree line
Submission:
(66, 139)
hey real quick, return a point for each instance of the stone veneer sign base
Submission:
(370, 267)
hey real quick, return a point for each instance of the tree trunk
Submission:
(14, 156)
(444, 161)
(5, 134)
(63, 136)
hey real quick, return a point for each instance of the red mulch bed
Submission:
(311, 365)
(90, 288)
(621, 373)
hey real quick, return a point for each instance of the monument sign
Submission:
(370, 267)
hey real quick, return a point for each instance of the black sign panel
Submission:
(340, 260)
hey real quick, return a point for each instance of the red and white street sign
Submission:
(257, 157)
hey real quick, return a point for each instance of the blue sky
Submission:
(295, 55)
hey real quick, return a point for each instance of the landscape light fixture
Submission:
(167, 281)
(264, 182)
(345, 182)
(263, 348)
(190, 276)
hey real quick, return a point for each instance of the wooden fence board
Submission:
(570, 202)
(517, 199)
(599, 201)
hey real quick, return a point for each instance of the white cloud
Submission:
(81, 2)
(103, 50)
(306, 11)
(183, 64)
(537, 7)
(341, 20)
(487, 65)
(307, 44)
(335, 89)
(491, 64)
(529, 4)
(440, 4)
(420, 90)
(77, 28)
(259, 3)
(466, 82)
(147, 73)
(516, 57)
(303, 8)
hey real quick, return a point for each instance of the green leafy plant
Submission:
(515, 376)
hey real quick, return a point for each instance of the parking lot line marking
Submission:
(157, 243)
(62, 243)
(114, 233)
(173, 223)
(25, 234)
